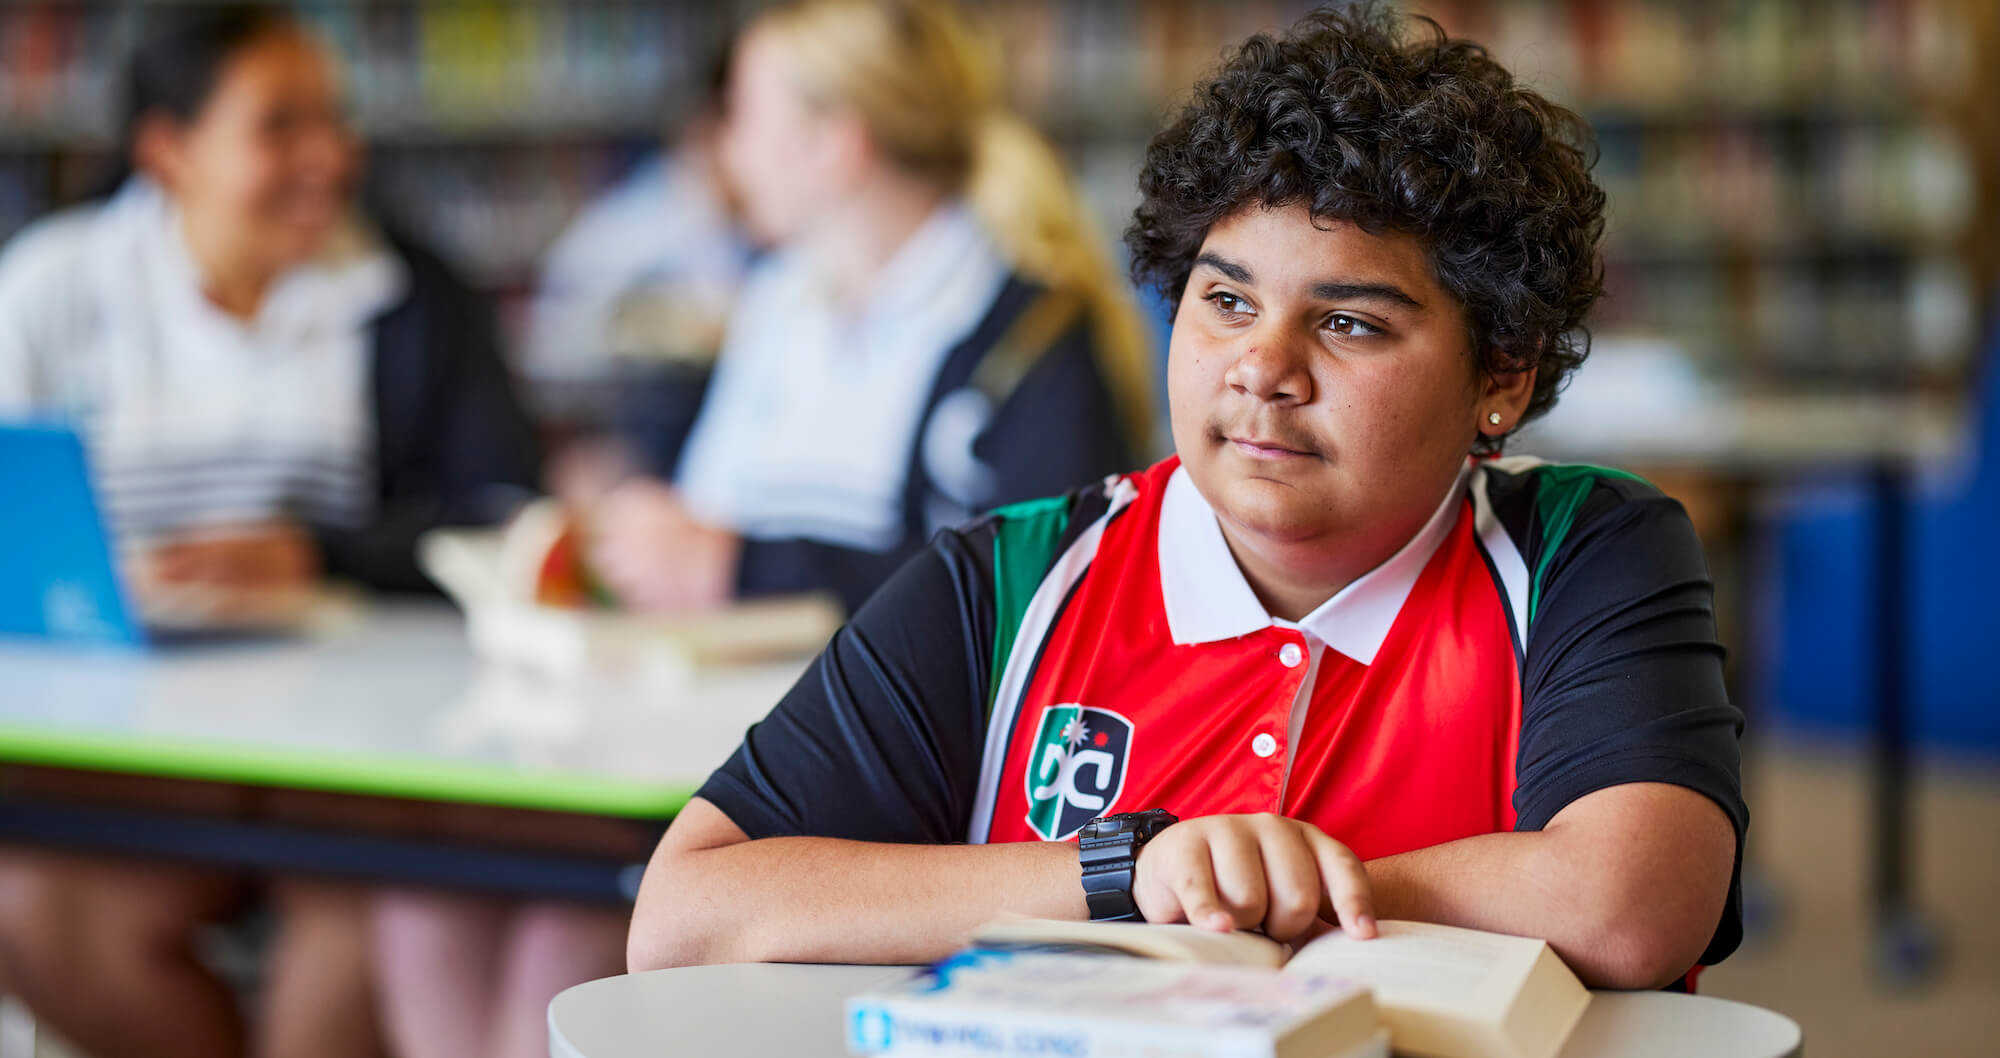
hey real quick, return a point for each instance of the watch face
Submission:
(1140, 824)
(1107, 827)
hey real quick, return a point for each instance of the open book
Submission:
(1029, 1004)
(1441, 991)
(530, 599)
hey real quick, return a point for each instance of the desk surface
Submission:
(387, 700)
(774, 1010)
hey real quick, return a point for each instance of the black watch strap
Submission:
(1108, 848)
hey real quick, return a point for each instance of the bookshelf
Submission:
(1798, 187)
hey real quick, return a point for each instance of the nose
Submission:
(1271, 369)
(328, 149)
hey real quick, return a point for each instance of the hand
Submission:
(1253, 872)
(259, 557)
(655, 556)
(583, 473)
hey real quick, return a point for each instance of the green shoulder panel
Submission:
(1560, 491)
(1026, 536)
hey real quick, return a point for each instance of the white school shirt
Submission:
(192, 417)
(814, 411)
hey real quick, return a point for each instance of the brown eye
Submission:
(1226, 304)
(1349, 327)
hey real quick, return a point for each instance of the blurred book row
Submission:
(419, 70)
(1107, 65)
(1786, 197)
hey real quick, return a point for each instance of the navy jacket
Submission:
(453, 446)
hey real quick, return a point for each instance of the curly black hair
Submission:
(1361, 120)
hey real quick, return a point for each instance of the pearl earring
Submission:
(1493, 417)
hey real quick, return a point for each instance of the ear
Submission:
(159, 149)
(1507, 395)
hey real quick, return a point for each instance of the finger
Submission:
(1349, 897)
(1319, 928)
(1291, 876)
(1194, 888)
(171, 560)
(1239, 874)
(170, 572)
(647, 591)
(238, 562)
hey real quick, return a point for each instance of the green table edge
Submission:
(380, 776)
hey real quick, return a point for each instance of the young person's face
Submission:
(1322, 383)
(775, 145)
(268, 163)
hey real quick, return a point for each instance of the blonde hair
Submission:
(914, 74)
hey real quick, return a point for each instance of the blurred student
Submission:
(633, 297)
(631, 306)
(274, 392)
(935, 332)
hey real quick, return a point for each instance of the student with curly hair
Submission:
(1335, 659)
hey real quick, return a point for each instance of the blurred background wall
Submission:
(1796, 185)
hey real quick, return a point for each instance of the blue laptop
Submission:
(58, 573)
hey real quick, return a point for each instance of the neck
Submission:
(1293, 577)
(850, 247)
(230, 279)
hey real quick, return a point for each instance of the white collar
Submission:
(1208, 600)
(354, 280)
(922, 268)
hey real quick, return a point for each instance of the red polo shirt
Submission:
(1547, 633)
(1387, 716)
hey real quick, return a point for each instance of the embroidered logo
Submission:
(1076, 769)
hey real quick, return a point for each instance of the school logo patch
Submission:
(1077, 769)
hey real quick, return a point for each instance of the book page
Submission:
(1416, 964)
(1174, 942)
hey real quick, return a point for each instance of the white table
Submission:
(382, 713)
(783, 1011)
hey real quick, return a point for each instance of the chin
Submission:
(303, 247)
(1272, 510)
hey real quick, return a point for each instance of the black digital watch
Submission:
(1108, 848)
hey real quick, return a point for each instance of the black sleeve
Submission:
(455, 446)
(881, 740)
(1623, 679)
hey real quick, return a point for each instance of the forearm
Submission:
(827, 900)
(1507, 883)
(1624, 907)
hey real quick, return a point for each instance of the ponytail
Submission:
(1027, 202)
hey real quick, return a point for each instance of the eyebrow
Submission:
(1328, 291)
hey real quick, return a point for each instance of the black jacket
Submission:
(453, 446)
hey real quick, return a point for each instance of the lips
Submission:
(1262, 448)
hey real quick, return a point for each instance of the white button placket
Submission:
(1292, 655)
